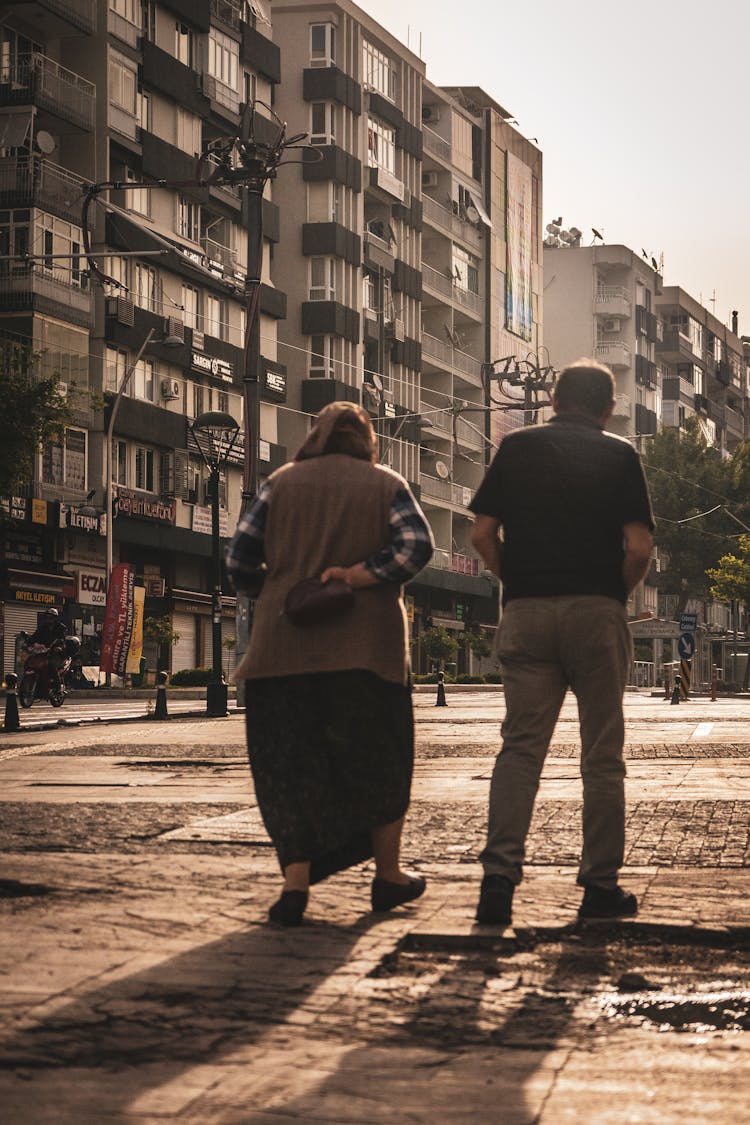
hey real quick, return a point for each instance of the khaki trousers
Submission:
(546, 646)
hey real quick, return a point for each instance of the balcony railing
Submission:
(615, 353)
(228, 11)
(33, 181)
(461, 564)
(451, 357)
(447, 490)
(44, 82)
(449, 222)
(608, 293)
(217, 252)
(436, 145)
(468, 434)
(20, 285)
(435, 418)
(437, 281)
(467, 299)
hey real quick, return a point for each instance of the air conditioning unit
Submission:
(429, 179)
(611, 324)
(170, 388)
(394, 329)
(430, 114)
(174, 328)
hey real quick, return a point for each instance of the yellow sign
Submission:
(39, 511)
(409, 608)
(135, 651)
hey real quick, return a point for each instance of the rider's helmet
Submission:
(52, 613)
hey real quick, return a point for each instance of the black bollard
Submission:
(441, 701)
(12, 721)
(676, 692)
(161, 696)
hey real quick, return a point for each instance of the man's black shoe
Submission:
(600, 902)
(495, 901)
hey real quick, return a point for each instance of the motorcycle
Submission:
(38, 681)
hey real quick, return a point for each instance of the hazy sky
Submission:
(639, 109)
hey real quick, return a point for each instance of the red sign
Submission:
(118, 620)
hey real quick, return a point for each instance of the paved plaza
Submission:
(141, 983)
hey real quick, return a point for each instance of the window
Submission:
(59, 237)
(120, 462)
(322, 279)
(321, 357)
(144, 295)
(137, 198)
(130, 10)
(144, 468)
(183, 44)
(381, 145)
(117, 269)
(65, 465)
(188, 218)
(324, 203)
(222, 401)
(215, 321)
(322, 128)
(122, 86)
(166, 473)
(190, 306)
(378, 71)
(223, 59)
(370, 292)
(143, 106)
(188, 132)
(197, 399)
(465, 270)
(116, 366)
(142, 383)
(322, 44)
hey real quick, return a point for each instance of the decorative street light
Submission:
(215, 433)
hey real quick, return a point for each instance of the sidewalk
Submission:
(141, 983)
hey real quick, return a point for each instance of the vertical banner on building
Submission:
(118, 620)
(518, 303)
(135, 652)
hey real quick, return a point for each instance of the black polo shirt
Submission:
(562, 492)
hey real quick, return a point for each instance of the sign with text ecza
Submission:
(122, 635)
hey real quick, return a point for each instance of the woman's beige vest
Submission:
(328, 511)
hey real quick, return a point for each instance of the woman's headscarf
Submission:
(340, 427)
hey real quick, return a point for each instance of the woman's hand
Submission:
(355, 576)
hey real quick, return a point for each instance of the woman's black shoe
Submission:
(289, 909)
(385, 895)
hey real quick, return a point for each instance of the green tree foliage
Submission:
(159, 631)
(477, 643)
(438, 645)
(730, 580)
(33, 411)
(688, 477)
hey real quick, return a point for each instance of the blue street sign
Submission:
(686, 646)
(688, 622)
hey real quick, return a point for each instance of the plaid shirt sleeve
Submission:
(245, 553)
(411, 545)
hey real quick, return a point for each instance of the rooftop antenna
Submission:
(713, 301)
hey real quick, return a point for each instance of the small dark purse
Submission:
(312, 602)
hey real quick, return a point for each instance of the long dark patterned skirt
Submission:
(331, 756)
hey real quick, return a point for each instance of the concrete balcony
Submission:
(386, 186)
(434, 418)
(56, 91)
(33, 181)
(441, 284)
(453, 359)
(433, 488)
(469, 301)
(622, 406)
(615, 354)
(55, 17)
(449, 223)
(674, 346)
(612, 301)
(32, 289)
(436, 145)
(449, 560)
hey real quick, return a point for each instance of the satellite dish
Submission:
(45, 142)
(472, 214)
(376, 381)
(442, 470)
(552, 228)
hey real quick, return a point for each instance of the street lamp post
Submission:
(215, 433)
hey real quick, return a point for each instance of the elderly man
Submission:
(573, 507)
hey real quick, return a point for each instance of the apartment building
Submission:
(115, 92)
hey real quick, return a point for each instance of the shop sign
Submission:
(78, 518)
(264, 450)
(39, 512)
(212, 365)
(35, 597)
(202, 521)
(17, 507)
(154, 585)
(134, 504)
(92, 587)
(275, 384)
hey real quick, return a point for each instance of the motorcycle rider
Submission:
(50, 630)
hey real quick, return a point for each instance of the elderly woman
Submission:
(328, 706)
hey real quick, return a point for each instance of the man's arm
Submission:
(484, 539)
(637, 542)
